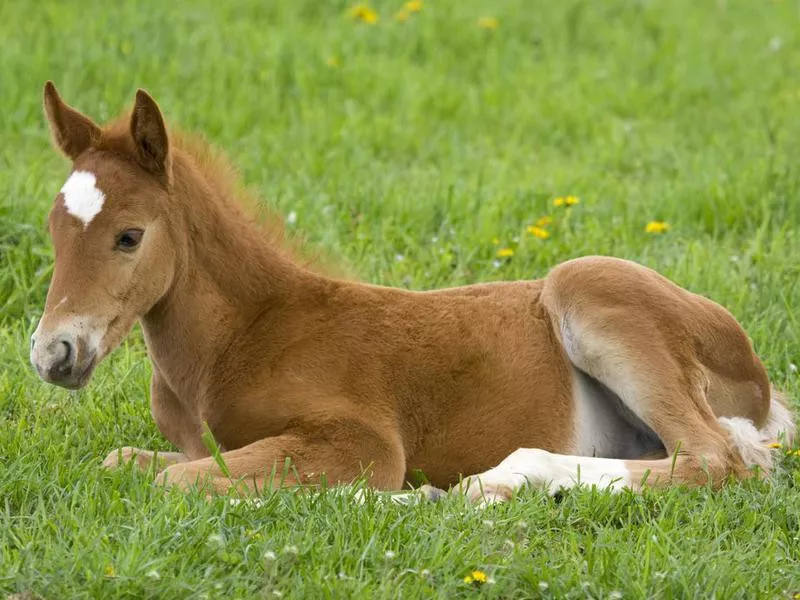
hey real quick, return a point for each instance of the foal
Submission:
(604, 372)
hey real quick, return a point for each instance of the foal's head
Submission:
(114, 246)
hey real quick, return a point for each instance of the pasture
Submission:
(452, 143)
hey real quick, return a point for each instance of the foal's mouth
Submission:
(79, 376)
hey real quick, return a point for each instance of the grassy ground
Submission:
(415, 151)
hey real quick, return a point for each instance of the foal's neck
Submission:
(228, 276)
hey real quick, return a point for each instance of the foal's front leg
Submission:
(171, 419)
(340, 453)
(144, 459)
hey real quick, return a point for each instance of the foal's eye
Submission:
(129, 240)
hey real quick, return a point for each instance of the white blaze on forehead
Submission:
(82, 198)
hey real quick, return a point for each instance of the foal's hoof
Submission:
(431, 493)
(122, 456)
(483, 492)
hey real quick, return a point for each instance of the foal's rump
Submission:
(631, 330)
(666, 388)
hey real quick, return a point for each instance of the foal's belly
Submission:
(529, 404)
(473, 443)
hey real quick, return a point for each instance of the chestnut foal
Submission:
(603, 372)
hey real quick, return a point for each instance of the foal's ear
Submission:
(150, 136)
(72, 132)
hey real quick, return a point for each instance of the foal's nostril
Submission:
(63, 366)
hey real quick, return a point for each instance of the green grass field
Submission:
(414, 152)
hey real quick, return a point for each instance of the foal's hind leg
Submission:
(644, 339)
(658, 348)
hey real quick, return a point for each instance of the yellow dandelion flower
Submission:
(776, 445)
(110, 571)
(413, 6)
(566, 201)
(538, 232)
(402, 16)
(468, 579)
(797, 452)
(657, 227)
(363, 13)
(479, 576)
(332, 62)
(505, 253)
(544, 221)
(488, 23)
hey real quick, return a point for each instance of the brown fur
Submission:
(342, 377)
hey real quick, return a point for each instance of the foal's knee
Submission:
(184, 477)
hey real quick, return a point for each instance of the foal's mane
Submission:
(223, 178)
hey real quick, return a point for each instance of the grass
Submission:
(423, 143)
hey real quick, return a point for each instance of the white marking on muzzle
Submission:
(82, 198)
(76, 329)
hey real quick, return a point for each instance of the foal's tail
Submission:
(781, 425)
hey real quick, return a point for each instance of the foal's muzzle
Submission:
(63, 359)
